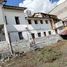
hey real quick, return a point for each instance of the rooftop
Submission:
(14, 7)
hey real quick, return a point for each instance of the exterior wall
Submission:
(42, 33)
(38, 26)
(24, 45)
(12, 27)
(10, 14)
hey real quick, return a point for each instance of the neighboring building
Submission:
(60, 26)
(60, 11)
(41, 25)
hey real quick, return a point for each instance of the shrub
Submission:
(49, 54)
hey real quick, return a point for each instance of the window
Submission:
(50, 20)
(20, 35)
(17, 20)
(56, 31)
(6, 19)
(35, 21)
(41, 21)
(49, 32)
(39, 34)
(29, 21)
(44, 33)
(33, 35)
(46, 21)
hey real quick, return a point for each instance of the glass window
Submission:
(35, 21)
(20, 35)
(39, 34)
(41, 21)
(29, 21)
(44, 33)
(49, 32)
(17, 20)
(46, 21)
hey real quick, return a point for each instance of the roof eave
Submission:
(14, 7)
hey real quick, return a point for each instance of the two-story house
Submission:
(18, 27)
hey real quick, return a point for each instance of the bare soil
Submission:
(50, 56)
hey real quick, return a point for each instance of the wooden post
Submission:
(52, 24)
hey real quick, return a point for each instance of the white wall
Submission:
(12, 27)
(39, 25)
(11, 16)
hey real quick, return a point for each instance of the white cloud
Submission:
(39, 5)
(60, 1)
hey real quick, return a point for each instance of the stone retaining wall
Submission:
(21, 46)
(4, 49)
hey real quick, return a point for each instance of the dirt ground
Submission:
(52, 56)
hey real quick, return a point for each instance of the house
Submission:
(18, 31)
(61, 12)
(41, 25)
(61, 28)
(18, 27)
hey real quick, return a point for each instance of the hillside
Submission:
(50, 56)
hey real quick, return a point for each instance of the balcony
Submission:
(59, 24)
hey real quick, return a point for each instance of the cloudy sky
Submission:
(36, 5)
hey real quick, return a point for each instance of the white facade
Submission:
(35, 28)
(18, 31)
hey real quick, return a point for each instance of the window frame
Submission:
(17, 20)
(29, 22)
(20, 35)
(49, 32)
(33, 35)
(39, 34)
(41, 21)
(46, 21)
(35, 21)
(44, 33)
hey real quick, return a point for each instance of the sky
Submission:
(14, 2)
(36, 5)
